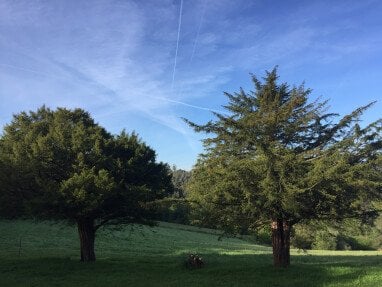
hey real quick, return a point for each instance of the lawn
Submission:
(46, 254)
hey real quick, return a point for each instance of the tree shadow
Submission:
(168, 270)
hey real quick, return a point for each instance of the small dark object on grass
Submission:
(194, 261)
(303, 250)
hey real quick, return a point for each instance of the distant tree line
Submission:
(176, 208)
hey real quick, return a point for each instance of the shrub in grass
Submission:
(325, 240)
(354, 243)
(303, 236)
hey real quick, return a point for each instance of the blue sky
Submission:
(116, 59)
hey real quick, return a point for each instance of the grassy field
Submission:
(143, 256)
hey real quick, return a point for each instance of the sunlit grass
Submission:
(143, 256)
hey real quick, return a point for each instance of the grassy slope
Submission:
(153, 257)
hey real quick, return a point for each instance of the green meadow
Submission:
(47, 254)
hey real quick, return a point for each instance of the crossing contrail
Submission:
(197, 33)
(29, 71)
(195, 43)
(177, 43)
(189, 105)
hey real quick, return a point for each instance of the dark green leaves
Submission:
(60, 164)
(276, 154)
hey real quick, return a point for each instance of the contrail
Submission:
(197, 33)
(30, 71)
(177, 43)
(189, 105)
(195, 42)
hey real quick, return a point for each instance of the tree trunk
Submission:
(86, 232)
(281, 243)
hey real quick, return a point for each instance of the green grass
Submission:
(49, 256)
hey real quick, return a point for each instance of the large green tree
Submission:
(277, 158)
(61, 165)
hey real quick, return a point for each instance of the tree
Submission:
(10, 196)
(64, 166)
(276, 158)
(175, 208)
(180, 179)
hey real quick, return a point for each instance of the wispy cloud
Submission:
(161, 59)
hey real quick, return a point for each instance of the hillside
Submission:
(143, 256)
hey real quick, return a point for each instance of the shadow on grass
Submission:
(220, 270)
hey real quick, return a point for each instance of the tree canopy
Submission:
(275, 157)
(60, 164)
(180, 179)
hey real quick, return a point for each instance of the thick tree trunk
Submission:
(86, 232)
(281, 243)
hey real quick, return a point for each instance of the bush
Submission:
(345, 242)
(325, 240)
(301, 242)
(346, 235)
(302, 236)
(176, 212)
(263, 236)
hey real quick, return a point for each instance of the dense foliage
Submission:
(62, 165)
(180, 178)
(349, 234)
(176, 208)
(274, 158)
